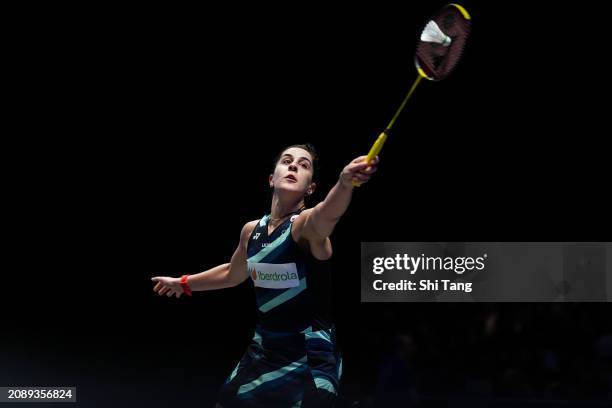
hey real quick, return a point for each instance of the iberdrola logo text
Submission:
(274, 276)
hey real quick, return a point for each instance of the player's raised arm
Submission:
(322, 219)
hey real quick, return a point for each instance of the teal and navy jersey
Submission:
(292, 360)
(292, 287)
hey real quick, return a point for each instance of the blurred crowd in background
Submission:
(530, 351)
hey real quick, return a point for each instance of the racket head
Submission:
(435, 61)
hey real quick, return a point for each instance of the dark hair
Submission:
(313, 153)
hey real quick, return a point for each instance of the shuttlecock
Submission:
(432, 33)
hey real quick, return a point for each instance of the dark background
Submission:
(143, 140)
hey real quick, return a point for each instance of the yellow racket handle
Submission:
(376, 148)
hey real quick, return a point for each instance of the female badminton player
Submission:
(292, 360)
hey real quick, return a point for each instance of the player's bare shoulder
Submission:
(298, 224)
(247, 230)
(308, 239)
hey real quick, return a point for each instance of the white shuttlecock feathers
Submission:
(432, 33)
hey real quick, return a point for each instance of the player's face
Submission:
(293, 171)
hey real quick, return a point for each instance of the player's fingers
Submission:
(170, 293)
(157, 286)
(362, 159)
(163, 290)
(357, 166)
(374, 162)
(361, 177)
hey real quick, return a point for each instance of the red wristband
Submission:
(185, 285)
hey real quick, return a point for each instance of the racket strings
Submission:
(438, 59)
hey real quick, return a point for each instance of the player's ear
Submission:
(270, 178)
(311, 189)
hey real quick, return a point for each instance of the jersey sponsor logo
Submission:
(274, 276)
(256, 235)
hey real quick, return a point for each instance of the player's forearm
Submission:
(328, 212)
(215, 278)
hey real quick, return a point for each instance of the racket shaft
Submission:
(382, 138)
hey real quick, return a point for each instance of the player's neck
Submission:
(281, 208)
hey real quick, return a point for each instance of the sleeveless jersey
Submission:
(292, 360)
